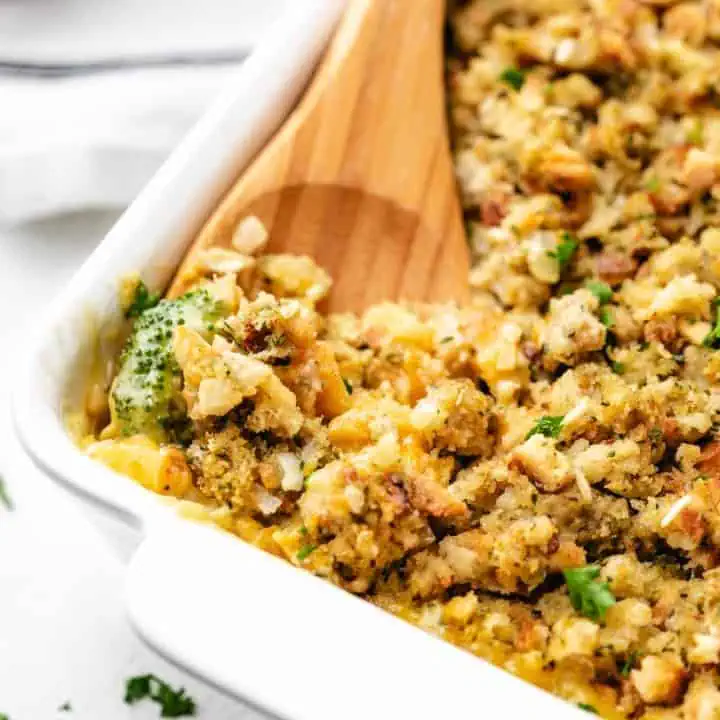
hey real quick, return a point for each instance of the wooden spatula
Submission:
(360, 176)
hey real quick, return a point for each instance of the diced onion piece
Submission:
(675, 509)
(221, 260)
(583, 485)
(292, 476)
(250, 236)
(267, 504)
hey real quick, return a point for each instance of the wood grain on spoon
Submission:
(360, 176)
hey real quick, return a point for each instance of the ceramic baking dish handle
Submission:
(257, 627)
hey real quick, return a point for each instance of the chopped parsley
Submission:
(652, 185)
(588, 708)
(173, 703)
(606, 317)
(65, 707)
(602, 291)
(143, 300)
(712, 339)
(590, 596)
(3, 716)
(695, 133)
(565, 250)
(618, 368)
(629, 664)
(5, 501)
(548, 425)
(348, 386)
(305, 551)
(655, 434)
(513, 77)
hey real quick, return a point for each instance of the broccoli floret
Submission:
(143, 300)
(146, 395)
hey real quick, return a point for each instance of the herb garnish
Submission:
(305, 551)
(513, 77)
(655, 434)
(588, 708)
(547, 425)
(173, 703)
(348, 386)
(565, 250)
(143, 300)
(695, 134)
(606, 317)
(712, 339)
(629, 664)
(602, 291)
(5, 501)
(652, 185)
(618, 368)
(588, 595)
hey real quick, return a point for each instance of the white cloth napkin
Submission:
(94, 94)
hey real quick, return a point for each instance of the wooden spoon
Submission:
(360, 176)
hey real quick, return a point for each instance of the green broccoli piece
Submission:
(143, 300)
(146, 395)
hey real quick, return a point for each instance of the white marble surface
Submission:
(76, 31)
(63, 630)
(74, 136)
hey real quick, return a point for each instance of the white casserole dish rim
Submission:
(296, 646)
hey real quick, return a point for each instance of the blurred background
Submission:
(94, 94)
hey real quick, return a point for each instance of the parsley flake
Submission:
(695, 133)
(3, 716)
(6, 502)
(513, 77)
(712, 339)
(588, 595)
(305, 551)
(655, 434)
(602, 291)
(143, 300)
(548, 425)
(348, 386)
(606, 317)
(652, 185)
(629, 664)
(588, 708)
(618, 368)
(565, 250)
(173, 703)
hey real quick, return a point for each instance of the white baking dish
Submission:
(241, 619)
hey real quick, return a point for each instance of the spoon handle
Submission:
(368, 141)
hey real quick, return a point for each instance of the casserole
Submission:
(282, 639)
